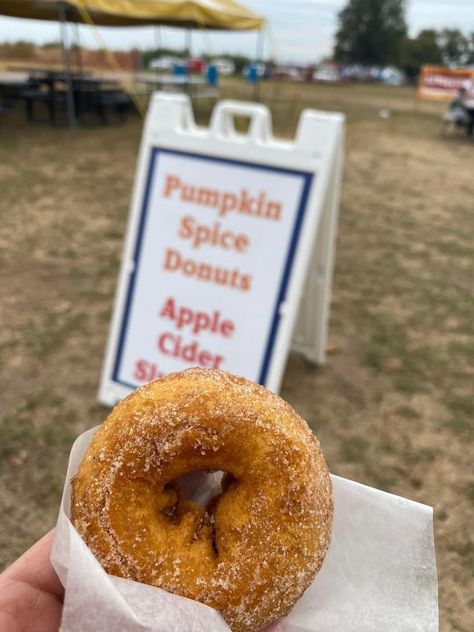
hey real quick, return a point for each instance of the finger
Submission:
(8, 623)
(34, 568)
(24, 608)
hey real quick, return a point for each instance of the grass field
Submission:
(394, 405)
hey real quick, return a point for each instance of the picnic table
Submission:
(13, 79)
(49, 87)
(11, 84)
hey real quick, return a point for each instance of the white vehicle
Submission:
(164, 63)
(392, 76)
(294, 74)
(225, 67)
(326, 74)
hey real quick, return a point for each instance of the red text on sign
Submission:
(202, 234)
(223, 201)
(197, 321)
(175, 262)
(173, 345)
(146, 371)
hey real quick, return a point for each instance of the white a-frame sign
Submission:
(229, 248)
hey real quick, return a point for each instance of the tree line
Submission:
(375, 33)
(370, 32)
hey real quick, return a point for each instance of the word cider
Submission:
(174, 344)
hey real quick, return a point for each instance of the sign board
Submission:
(442, 84)
(222, 231)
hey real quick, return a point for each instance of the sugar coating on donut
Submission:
(253, 550)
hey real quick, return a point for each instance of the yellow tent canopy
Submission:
(211, 14)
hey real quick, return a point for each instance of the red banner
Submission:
(442, 84)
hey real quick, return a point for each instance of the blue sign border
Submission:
(308, 178)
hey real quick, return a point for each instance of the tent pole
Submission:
(157, 43)
(189, 42)
(71, 114)
(78, 49)
(258, 60)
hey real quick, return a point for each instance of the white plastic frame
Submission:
(317, 149)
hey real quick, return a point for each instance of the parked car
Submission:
(164, 63)
(225, 67)
(327, 73)
(392, 76)
(196, 64)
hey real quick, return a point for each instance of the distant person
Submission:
(467, 100)
(456, 104)
(457, 113)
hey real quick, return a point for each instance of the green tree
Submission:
(20, 49)
(470, 52)
(420, 50)
(454, 47)
(52, 44)
(371, 32)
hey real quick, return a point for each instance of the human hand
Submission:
(31, 594)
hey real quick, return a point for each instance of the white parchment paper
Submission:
(379, 574)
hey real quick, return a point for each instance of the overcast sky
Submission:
(301, 30)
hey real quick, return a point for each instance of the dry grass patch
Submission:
(393, 406)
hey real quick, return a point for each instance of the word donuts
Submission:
(256, 546)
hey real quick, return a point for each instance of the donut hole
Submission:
(198, 489)
(200, 486)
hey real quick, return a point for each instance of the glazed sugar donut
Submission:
(256, 546)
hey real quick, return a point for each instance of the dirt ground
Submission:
(393, 407)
